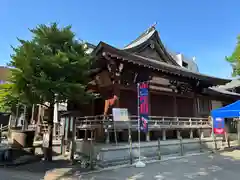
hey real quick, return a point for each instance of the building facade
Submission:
(178, 92)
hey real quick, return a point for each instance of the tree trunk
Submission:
(49, 135)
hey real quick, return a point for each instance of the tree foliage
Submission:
(234, 59)
(8, 98)
(51, 67)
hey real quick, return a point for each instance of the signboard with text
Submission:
(218, 125)
(120, 114)
(143, 106)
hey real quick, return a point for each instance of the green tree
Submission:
(8, 98)
(234, 59)
(51, 67)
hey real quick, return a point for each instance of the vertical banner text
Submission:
(143, 106)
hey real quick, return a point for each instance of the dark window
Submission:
(203, 105)
(184, 64)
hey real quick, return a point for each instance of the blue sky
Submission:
(205, 29)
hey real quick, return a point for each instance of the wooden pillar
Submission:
(191, 130)
(107, 140)
(16, 118)
(195, 105)
(66, 133)
(25, 124)
(149, 102)
(164, 135)
(73, 138)
(175, 105)
(38, 123)
(178, 134)
(92, 107)
(175, 110)
(148, 136)
(238, 131)
(200, 133)
(32, 116)
(85, 134)
(191, 133)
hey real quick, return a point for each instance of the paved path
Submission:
(201, 167)
(222, 166)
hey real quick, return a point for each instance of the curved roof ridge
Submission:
(143, 37)
(230, 85)
(223, 91)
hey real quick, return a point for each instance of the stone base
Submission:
(21, 139)
(116, 155)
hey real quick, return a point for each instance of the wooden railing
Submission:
(155, 122)
(4, 128)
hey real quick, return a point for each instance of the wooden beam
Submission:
(189, 95)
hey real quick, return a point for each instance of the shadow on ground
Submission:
(64, 167)
(232, 154)
(221, 165)
(58, 167)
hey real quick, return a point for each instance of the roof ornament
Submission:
(143, 37)
(152, 27)
(194, 59)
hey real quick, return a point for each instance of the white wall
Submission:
(192, 65)
(179, 59)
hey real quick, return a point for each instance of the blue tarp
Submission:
(229, 111)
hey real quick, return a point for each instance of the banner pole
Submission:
(238, 130)
(213, 135)
(139, 164)
(212, 126)
(139, 133)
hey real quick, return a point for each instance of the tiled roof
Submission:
(233, 84)
(157, 65)
(222, 92)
